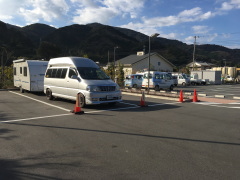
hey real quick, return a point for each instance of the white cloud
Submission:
(101, 15)
(170, 35)
(201, 29)
(48, 10)
(103, 11)
(232, 4)
(191, 15)
(9, 8)
(33, 10)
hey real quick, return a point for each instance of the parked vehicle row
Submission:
(155, 80)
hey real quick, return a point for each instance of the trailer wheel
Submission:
(82, 102)
(21, 89)
(49, 94)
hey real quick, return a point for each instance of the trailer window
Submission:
(20, 70)
(25, 71)
(14, 71)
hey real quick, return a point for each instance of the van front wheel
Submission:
(49, 94)
(157, 88)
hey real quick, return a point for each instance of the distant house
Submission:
(139, 63)
(200, 66)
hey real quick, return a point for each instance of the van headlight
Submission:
(93, 88)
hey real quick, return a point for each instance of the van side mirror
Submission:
(75, 77)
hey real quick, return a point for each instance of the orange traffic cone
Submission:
(77, 108)
(181, 96)
(195, 99)
(142, 102)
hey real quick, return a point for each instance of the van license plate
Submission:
(109, 97)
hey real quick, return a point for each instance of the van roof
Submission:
(153, 72)
(75, 61)
(31, 62)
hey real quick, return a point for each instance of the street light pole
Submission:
(152, 36)
(114, 73)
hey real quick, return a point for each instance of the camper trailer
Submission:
(67, 77)
(28, 75)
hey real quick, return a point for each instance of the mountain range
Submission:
(98, 41)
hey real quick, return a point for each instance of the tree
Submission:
(48, 50)
(109, 71)
(120, 75)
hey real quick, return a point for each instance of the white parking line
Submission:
(27, 119)
(41, 101)
(89, 112)
(129, 104)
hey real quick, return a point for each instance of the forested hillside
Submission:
(97, 41)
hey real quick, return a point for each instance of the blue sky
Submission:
(213, 21)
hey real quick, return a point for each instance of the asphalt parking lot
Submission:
(41, 139)
(228, 91)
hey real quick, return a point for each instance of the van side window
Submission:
(49, 73)
(139, 76)
(64, 72)
(54, 72)
(58, 73)
(71, 73)
(167, 77)
(146, 76)
(25, 71)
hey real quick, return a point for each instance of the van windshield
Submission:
(92, 73)
(145, 76)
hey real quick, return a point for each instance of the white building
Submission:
(139, 63)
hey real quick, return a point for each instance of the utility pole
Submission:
(194, 48)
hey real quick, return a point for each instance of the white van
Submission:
(157, 80)
(133, 81)
(68, 76)
(29, 74)
(181, 78)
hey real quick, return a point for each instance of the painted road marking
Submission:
(27, 119)
(90, 112)
(129, 104)
(219, 105)
(41, 101)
